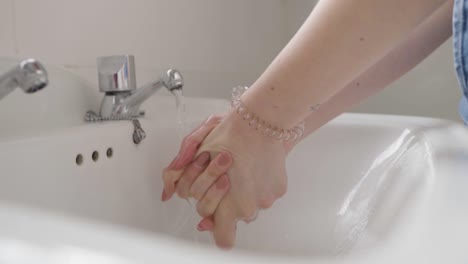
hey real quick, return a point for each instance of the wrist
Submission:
(247, 133)
(260, 124)
(273, 107)
(241, 128)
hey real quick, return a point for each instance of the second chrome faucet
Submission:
(29, 75)
(122, 100)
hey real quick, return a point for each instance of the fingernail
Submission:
(200, 228)
(202, 160)
(224, 159)
(223, 182)
(164, 196)
(204, 226)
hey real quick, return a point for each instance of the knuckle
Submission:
(266, 203)
(195, 193)
(203, 209)
(214, 119)
(180, 188)
(218, 118)
(188, 140)
(281, 190)
(248, 212)
(211, 119)
(185, 140)
(213, 171)
(167, 179)
(181, 192)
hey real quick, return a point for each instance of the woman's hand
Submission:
(184, 167)
(257, 176)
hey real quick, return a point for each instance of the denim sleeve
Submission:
(460, 52)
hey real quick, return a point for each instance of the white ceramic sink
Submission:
(364, 189)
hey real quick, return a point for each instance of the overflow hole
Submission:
(95, 156)
(109, 152)
(79, 159)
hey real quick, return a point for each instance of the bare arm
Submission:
(427, 37)
(339, 41)
(342, 43)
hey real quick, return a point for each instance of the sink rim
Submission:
(166, 244)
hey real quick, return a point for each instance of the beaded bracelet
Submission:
(261, 125)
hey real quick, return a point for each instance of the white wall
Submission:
(217, 44)
(431, 89)
(296, 11)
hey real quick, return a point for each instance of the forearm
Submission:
(339, 41)
(405, 56)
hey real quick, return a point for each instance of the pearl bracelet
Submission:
(261, 125)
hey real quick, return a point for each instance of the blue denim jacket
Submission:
(460, 51)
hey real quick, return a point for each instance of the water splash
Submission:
(357, 208)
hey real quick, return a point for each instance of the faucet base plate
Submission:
(92, 117)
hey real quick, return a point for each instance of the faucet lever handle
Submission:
(116, 73)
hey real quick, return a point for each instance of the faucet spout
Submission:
(172, 81)
(140, 95)
(117, 80)
(30, 75)
(125, 103)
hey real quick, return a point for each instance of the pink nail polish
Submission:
(203, 159)
(200, 228)
(224, 159)
(204, 225)
(223, 182)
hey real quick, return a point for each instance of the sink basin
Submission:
(364, 188)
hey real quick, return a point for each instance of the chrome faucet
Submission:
(29, 75)
(122, 100)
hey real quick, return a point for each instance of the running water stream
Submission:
(184, 218)
(180, 108)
